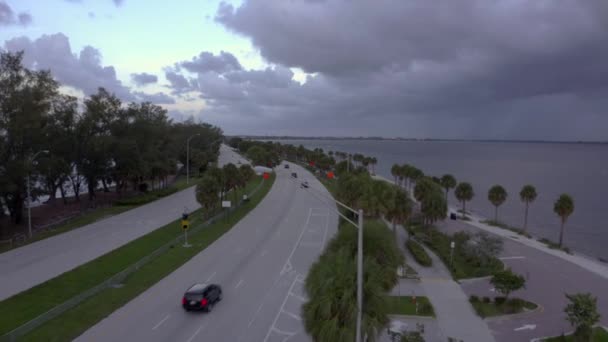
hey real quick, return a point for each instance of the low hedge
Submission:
(419, 253)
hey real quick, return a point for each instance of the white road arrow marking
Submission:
(526, 327)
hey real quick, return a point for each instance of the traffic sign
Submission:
(226, 204)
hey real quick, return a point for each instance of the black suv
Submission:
(201, 297)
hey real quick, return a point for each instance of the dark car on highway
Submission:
(201, 297)
(287, 166)
(305, 184)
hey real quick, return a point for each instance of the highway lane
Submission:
(38, 262)
(260, 263)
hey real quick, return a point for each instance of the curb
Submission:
(539, 308)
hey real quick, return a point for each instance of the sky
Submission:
(472, 69)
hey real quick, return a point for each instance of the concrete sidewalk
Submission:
(455, 316)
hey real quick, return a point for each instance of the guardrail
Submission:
(115, 279)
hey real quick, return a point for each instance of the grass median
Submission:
(404, 305)
(27, 305)
(485, 307)
(599, 334)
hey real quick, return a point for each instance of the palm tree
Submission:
(395, 171)
(448, 182)
(398, 206)
(563, 207)
(366, 161)
(497, 195)
(464, 193)
(406, 172)
(231, 178)
(373, 161)
(527, 195)
(207, 194)
(434, 206)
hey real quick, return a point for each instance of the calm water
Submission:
(580, 170)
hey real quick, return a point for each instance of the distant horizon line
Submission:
(287, 137)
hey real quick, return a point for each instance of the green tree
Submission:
(25, 101)
(582, 314)
(527, 195)
(497, 195)
(396, 171)
(506, 282)
(207, 194)
(351, 188)
(434, 207)
(373, 200)
(563, 207)
(231, 179)
(398, 206)
(464, 193)
(448, 182)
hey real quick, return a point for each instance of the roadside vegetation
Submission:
(419, 253)
(112, 150)
(31, 303)
(406, 305)
(486, 307)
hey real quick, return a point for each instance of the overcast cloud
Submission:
(83, 71)
(143, 79)
(432, 68)
(9, 17)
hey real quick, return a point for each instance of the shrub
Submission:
(486, 299)
(419, 253)
(474, 299)
(147, 197)
(499, 300)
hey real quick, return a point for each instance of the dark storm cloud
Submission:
(421, 67)
(158, 98)
(82, 71)
(143, 78)
(206, 62)
(9, 17)
(178, 83)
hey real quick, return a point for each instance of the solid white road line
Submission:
(280, 311)
(210, 277)
(161, 322)
(239, 284)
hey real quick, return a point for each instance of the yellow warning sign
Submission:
(185, 224)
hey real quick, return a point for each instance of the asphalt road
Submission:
(30, 265)
(261, 264)
(548, 279)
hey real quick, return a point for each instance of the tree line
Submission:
(78, 145)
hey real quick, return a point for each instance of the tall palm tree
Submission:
(395, 171)
(406, 172)
(464, 193)
(373, 161)
(527, 195)
(366, 161)
(448, 182)
(434, 206)
(563, 207)
(403, 169)
(397, 206)
(497, 195)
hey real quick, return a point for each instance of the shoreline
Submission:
(585, 261)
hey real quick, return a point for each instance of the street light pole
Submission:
(359, 275)
(29, 195)
(188, 157)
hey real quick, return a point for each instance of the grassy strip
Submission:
(507, 227)
(29, 304)
(599, 335)
(102, 213)
(77, 320)
(403, 305)
(462, 266)
(419, 253)
(554, 245)
(487, 308)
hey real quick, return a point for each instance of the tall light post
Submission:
(188, 157)
(29, 195)
(359, 226)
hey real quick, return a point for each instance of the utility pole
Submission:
(188, 157)
(29, 194)
(359, 274)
